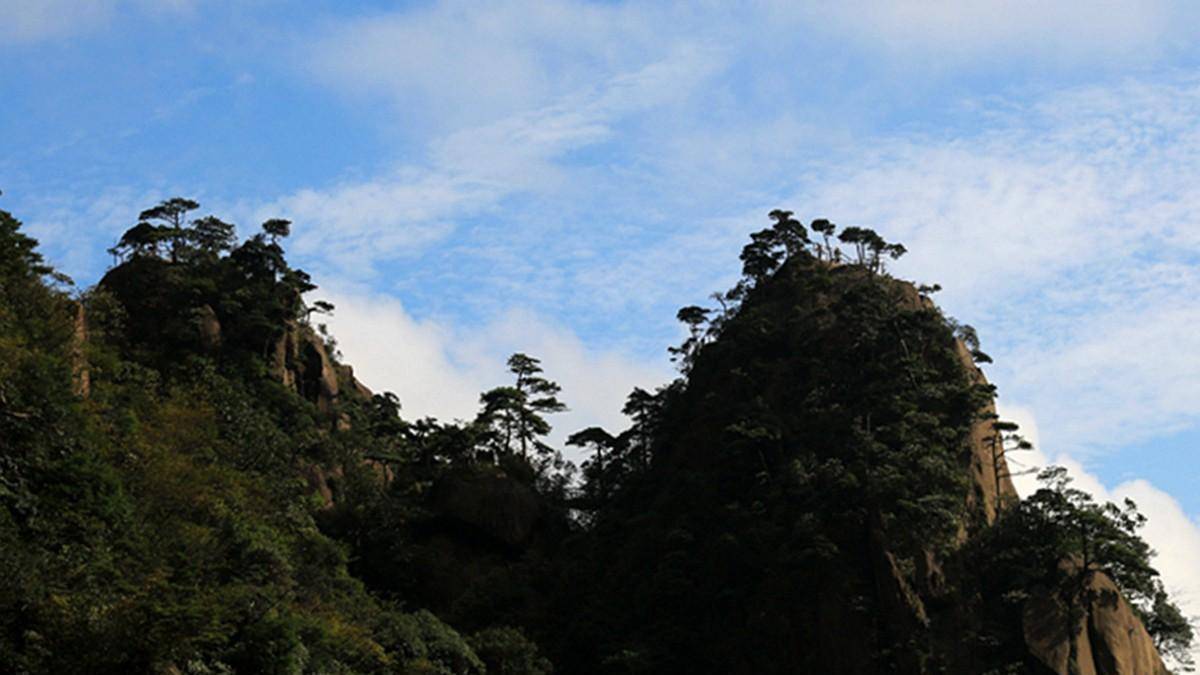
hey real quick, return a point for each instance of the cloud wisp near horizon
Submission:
(559, 177)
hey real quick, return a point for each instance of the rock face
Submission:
(492, 504)
(991, 485)
(209, 328)
(1120, 643)
(1109, 639)
(300, 361)
(81, 377)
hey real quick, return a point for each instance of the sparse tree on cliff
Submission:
(212, 235)
(694, 317)
(142, 239)
(172, 216)
(1072, 538)
(870, 248)
(645, 410)
(790, 232)
(970, 338)
(277, 228)
(1005, 440)
(826, 230)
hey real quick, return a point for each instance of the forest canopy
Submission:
(191, 481)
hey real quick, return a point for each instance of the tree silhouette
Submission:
(870, 248)
(141, 240)
(789, 232)
(605, 448)
(694, 317)
(826, 230)
(516, 414)
(1005, 440)
(212, 236)
(645, 410)
(277, 228)
(762, 255)
(171, 214)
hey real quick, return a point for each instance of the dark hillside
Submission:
(192, 482)
(829, 493)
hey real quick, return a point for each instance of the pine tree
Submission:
(516, 414)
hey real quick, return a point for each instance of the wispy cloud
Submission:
(456, 64)
(29, 21)
(472, 170)
(953, 34)
(74, 230)
(1065, 230)
(625, 198)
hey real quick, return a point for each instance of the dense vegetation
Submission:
(189, 481)
(162, 521)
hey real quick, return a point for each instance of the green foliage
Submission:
(506, 651)
(163, 522)
(811, 460)
(823, 421)
(1057, 540)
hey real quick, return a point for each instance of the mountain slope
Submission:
(829, 493)
(191, 482)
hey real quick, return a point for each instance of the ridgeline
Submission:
(191, 481)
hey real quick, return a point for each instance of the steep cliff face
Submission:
(819, 483)
(1108, 638)
(300, 361)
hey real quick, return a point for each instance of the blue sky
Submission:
(471, 179)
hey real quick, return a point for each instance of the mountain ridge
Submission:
(824, 489)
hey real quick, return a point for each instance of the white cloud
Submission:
(439, 369)
(75, 230)
(353, 226)
(414, 359)
(1061, 227)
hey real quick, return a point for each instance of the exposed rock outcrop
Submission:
(301, 362)
(1106, 639)
(991, 484)
(81, 376)
(209, 328)
(1109, 639)
(493, 504)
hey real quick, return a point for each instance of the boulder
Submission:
(493, 504)
(209, 327)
